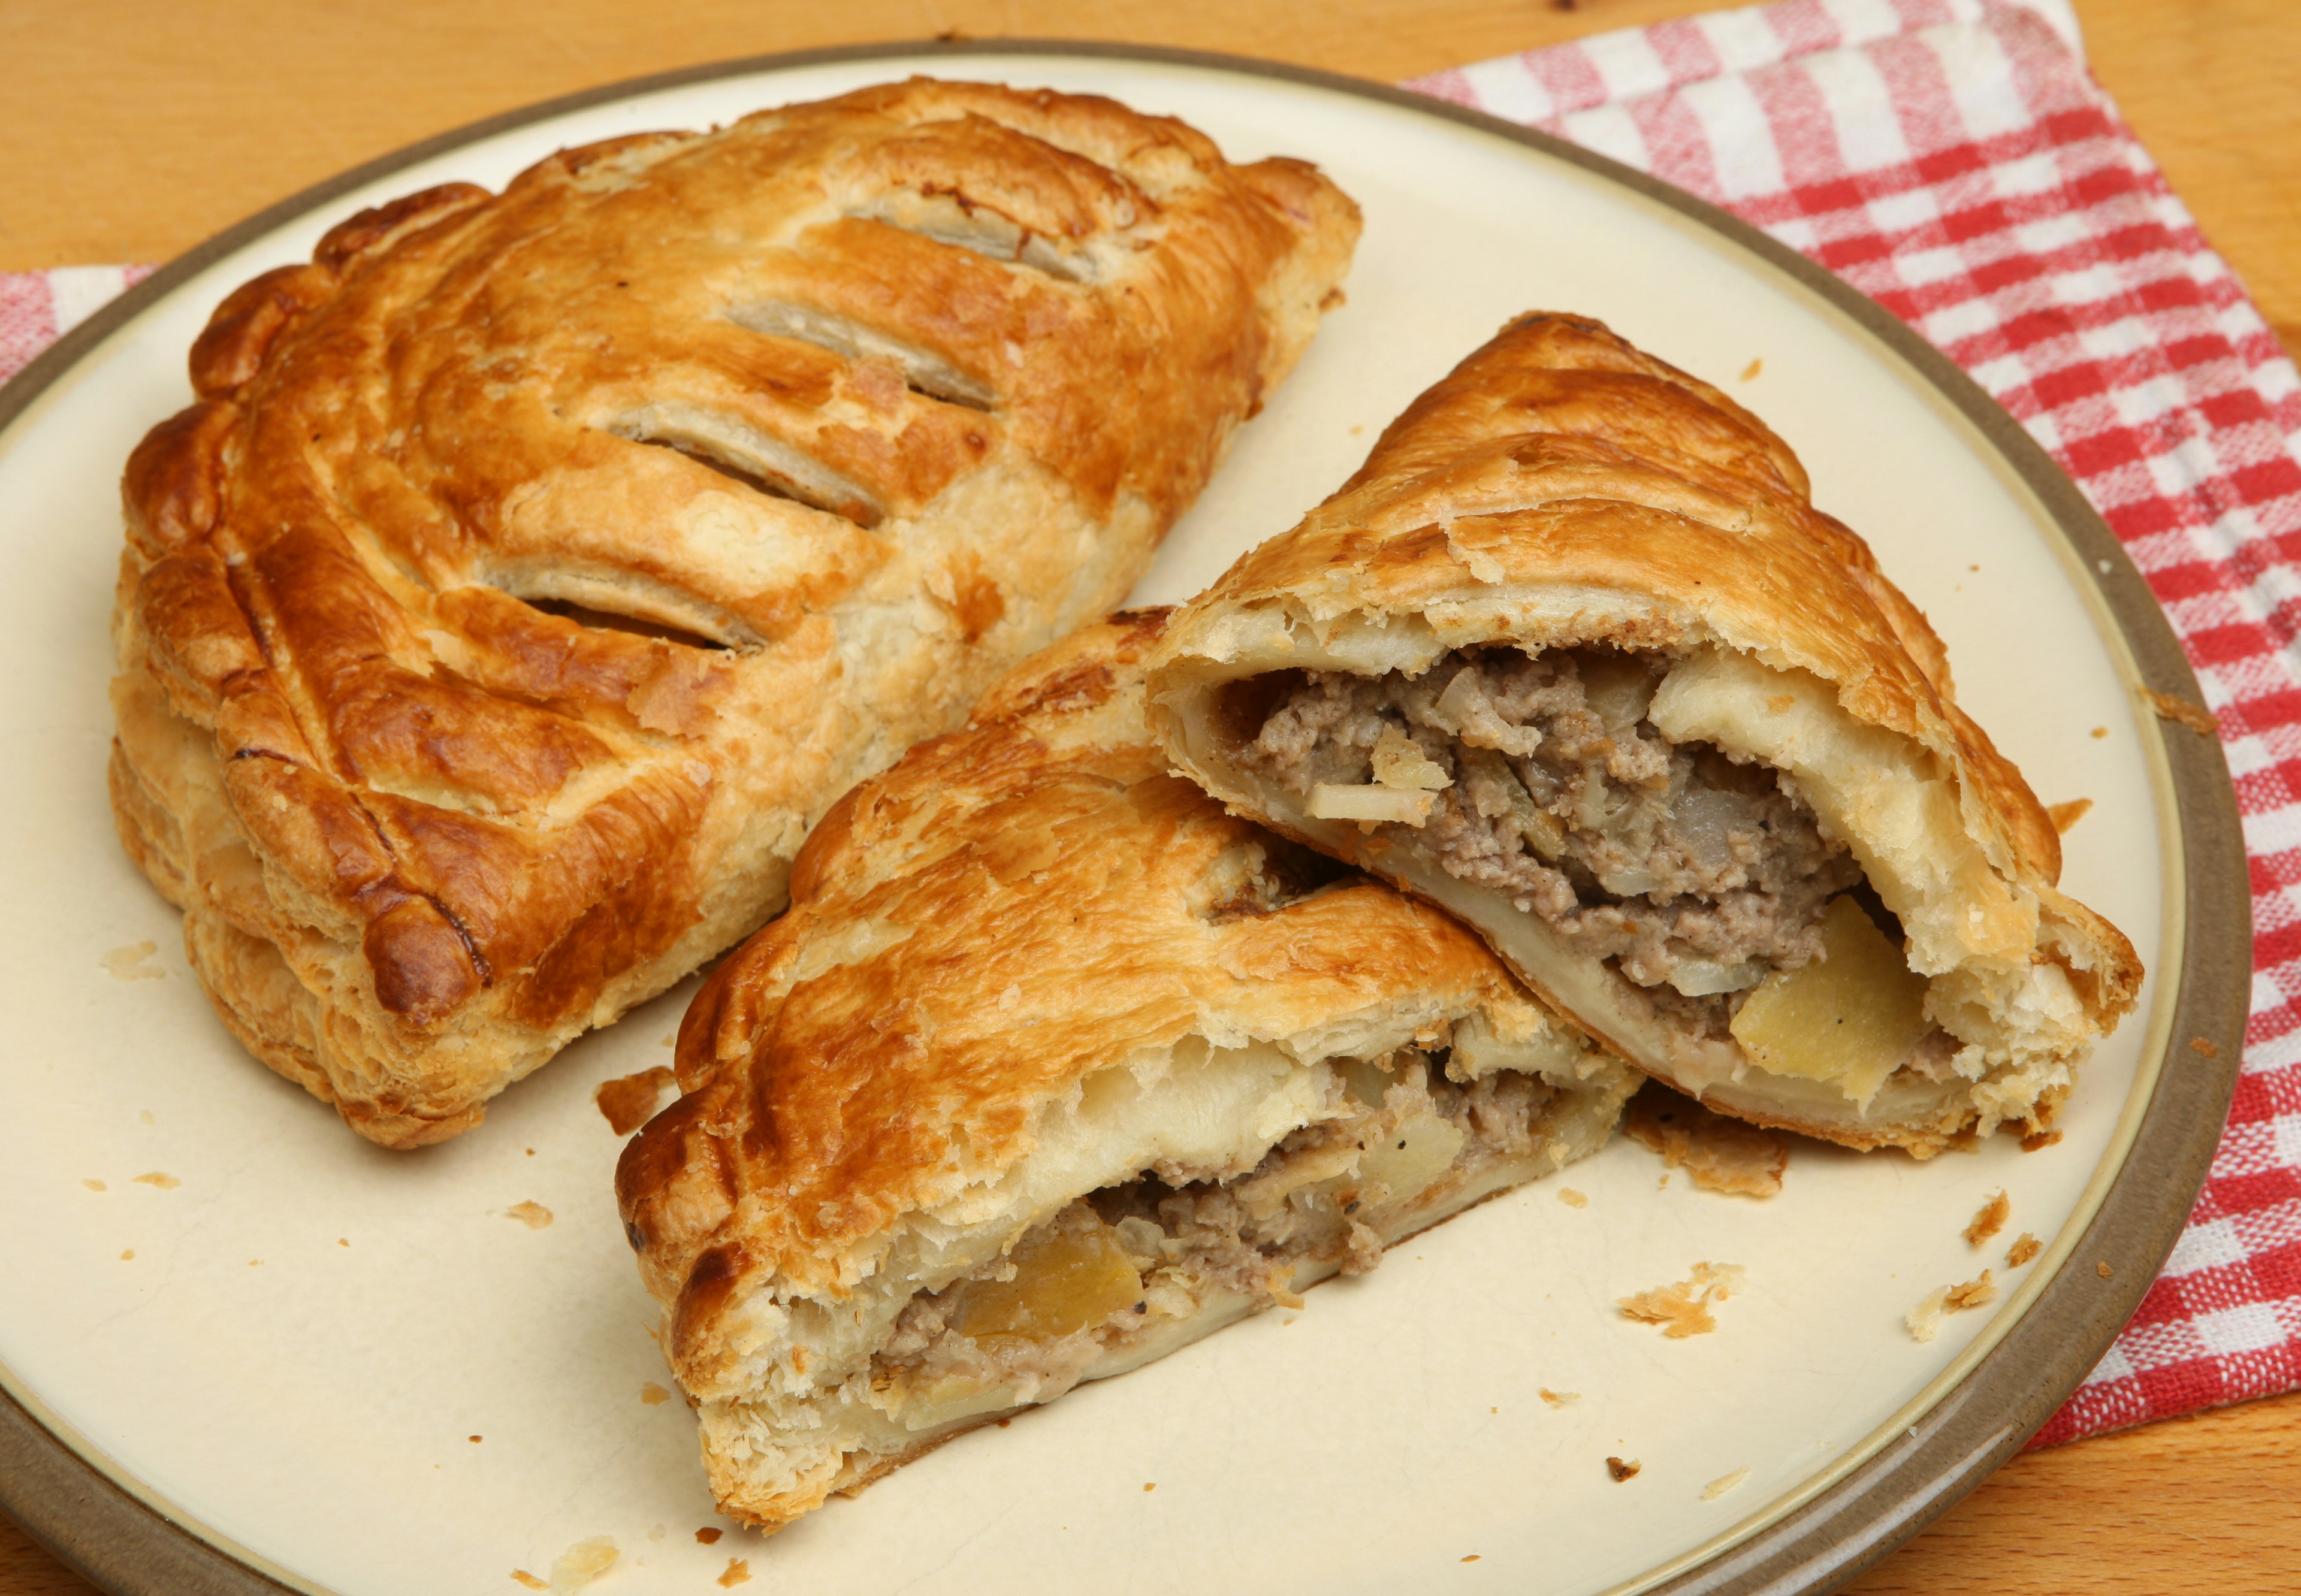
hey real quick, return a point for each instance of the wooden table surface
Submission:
(134, 130)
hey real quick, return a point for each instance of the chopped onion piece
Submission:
(1700, 977)
(1330, 801)
(1629, 882)
(1399, 761)
(1465, 709)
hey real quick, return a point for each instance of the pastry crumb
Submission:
(1623, 1468)
(159, 1181)
(529, 1580)
(1925, 1320)
(654, 1395)
(2103, 1270)
(2037, 1142)
(1724, 1482)
(1683, 1307)
(1559, 1398)
(584, 1562)
(1988, 1223)
(2197, 717)
(2065, 816)
(1471, 1558)
(127, 964)
(2100, 731)
(1750, 372)
(474, 1440)
(739, 1573)
(1720, 1154)
(2023, 1249)
(93, 1186)
(532, 1215)
(1973, 1293)
(709, 1534)
(629, 1101)
(2203, 1049)
(128, 1255)
(1566, 1194)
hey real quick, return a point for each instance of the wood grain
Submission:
(136, 130)
(158, 125)
(27, 1569)
(2207, 1503)
(2209, 87)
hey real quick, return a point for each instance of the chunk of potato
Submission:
(1367, 1079)
(1063, 1283)
(1410, 1158)
(1851, 1017)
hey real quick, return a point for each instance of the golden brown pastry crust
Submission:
(1561, 487)
(936, 363)
(1011, 912)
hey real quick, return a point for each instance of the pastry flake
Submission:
(1682, 1308)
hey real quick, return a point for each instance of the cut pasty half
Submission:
(1573, 656)
(534, 568)
(1052, 1068)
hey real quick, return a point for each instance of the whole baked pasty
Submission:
(1052, 1068)
(1573, 656)
(535, 568)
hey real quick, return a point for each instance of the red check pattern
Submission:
(37, 308)
(1954, 160)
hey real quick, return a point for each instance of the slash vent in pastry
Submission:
(1052, 1068)
(1573, 656)
(534, 568)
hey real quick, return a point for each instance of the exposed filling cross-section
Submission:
(1539, 777)
(1125, 1269)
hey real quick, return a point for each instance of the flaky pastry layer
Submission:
(534, 568)
(1051, 1068)
(1564, 497)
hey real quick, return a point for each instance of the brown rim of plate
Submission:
(129, 1546)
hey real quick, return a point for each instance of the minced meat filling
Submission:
(1694, 874)
(1307, 1201)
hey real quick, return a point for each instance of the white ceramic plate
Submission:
(355, 1370)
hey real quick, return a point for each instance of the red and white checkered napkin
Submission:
(37, 308)
(1954, 160)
